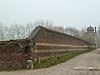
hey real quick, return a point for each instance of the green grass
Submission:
(58, 59)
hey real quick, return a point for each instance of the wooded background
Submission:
(19, 31)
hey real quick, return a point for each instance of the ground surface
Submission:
(67, 68)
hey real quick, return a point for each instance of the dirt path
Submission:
(83, 61)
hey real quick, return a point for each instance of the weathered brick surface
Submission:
(13, 54)
(49, 36)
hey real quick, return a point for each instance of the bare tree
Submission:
(11, 32)
(66, 30)
(40, 22)
(2, 31)
(30, 27)
(58, 28)
(23, 31)
(46, 23)
(76, 32)
(72, 31)
(17, 29)
(83, 34)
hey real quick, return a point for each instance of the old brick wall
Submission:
(14, 54)
(49, 42)
(49, 36)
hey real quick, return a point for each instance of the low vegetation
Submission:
(57, 59)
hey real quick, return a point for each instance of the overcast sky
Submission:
(74, 13)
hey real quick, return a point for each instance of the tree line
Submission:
(18, 31)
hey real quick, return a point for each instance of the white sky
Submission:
(74, 13)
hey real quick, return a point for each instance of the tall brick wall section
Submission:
(48, 36)
(49, 42)
(14, 54)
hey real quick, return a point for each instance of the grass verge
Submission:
(57, 59)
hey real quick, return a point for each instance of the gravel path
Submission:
(77, 66)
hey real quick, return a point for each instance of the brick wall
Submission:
(49, 42)
(14, 54)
